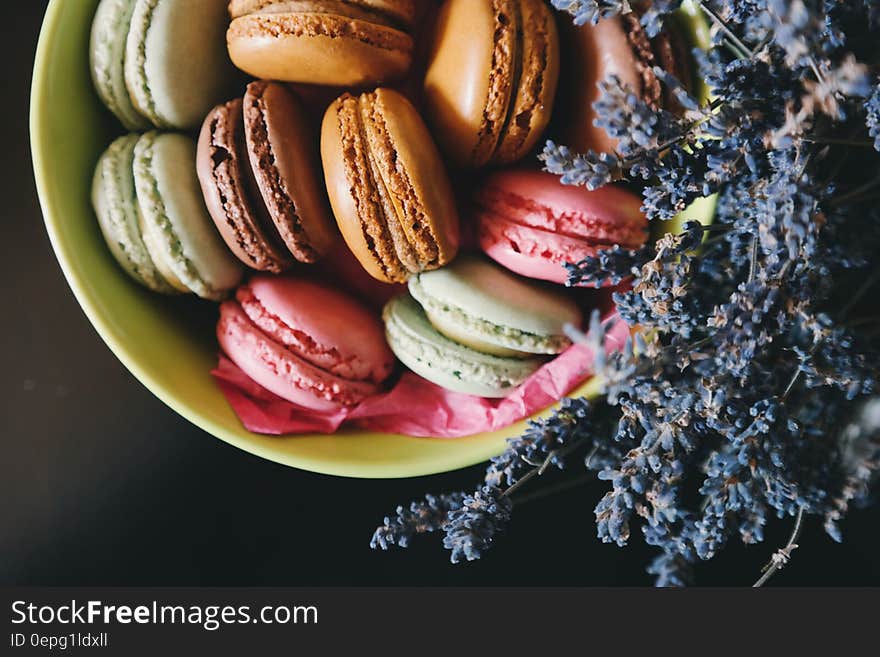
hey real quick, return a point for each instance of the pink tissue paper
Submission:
(414, 406)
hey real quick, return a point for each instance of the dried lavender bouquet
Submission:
(747, 393)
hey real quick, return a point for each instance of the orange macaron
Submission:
(491, 78)
(388, 187)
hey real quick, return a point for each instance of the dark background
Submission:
(101, 484)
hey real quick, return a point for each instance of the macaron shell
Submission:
(115, 202)
(595, 52)
(107, 54)
(318, 49)
(536, 88)
(448, 364)
(174, 216)
(529, 251)
(226, 180)
(422, 188)
(388, 187)
(158, 246)
(347, 341)
(401, 11)
(532, 224)
(538, 199)
(464, 79)
(279, 370)
(176, 66)
(281, 145)
(493, 306)
(448, 324)
(345, 158)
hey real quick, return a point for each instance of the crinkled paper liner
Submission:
(414, 406)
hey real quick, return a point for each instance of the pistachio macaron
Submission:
(330, 42)
(107, 57)
(161, 62)
(150, 210)
(475, 328)
(259, 169)
(388, 187)
(491, 78)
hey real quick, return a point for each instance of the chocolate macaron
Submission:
(259, 171)
(331, 42)
(492, 78)
(387, 184)
(617, 46)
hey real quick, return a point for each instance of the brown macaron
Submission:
(388, 187)
(258, 167)
(616, 46)
(329, 42)
(491, 78)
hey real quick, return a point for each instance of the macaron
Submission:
(116, 206)
(259, 170)
(279, 332)
(175, 63)
(151, 67)
(328, 42)
(151, 213)
(616, 46)
(107, 57)
(491, 78)
(388, 187)
(475, 328)
(532, 224)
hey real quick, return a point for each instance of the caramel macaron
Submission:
(388, 187)
(491, 78)
(616, 46)
(258, 167)
(329, 42)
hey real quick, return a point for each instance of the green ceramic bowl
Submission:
(168, 343)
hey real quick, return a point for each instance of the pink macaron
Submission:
(308, 343)
(533, 225)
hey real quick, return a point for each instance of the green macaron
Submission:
(478, 303)
(115, 202)
(451, 365)
(473, 327)
(161, 62)
(107, 54)
(176, 64)
(150, 210)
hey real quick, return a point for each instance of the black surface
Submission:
(101, 484)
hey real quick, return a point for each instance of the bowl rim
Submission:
(440, 461)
